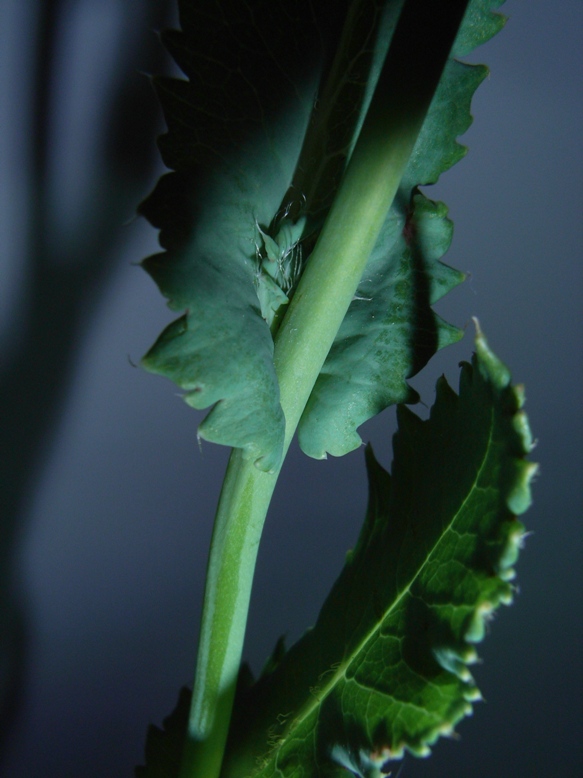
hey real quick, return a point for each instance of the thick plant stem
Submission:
(418, 52)
(241, 513)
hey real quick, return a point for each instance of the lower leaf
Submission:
(385, 669)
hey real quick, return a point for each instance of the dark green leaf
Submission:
(164, 746)
(385, 669)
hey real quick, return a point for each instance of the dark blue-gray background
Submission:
(114, 527)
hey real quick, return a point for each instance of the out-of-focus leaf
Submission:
(385, 669)
(164, 746)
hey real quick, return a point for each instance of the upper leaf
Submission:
(235, 129)
(259, 136)
(386, 666)
(221, 350)
(390, 331)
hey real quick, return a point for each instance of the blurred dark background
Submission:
(107, 499)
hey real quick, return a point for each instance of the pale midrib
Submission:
(340, 673)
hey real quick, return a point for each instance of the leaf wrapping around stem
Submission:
(259, 135)
(235, 128)
(390, 330)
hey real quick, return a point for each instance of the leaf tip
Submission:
(519, 498)
(492, 368)
(447, 334)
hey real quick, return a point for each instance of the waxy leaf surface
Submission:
(259, 134)
(235, 129)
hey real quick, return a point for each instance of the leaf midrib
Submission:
(340, 672)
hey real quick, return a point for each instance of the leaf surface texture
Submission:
(235, 128)
(385, 668)
(390, 330)
(259, 134)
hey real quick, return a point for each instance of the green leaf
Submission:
(259, 136)
(385, 669)
(164, 746)
(235, 129)
(221, 350)
(480, 25)
(390, 331)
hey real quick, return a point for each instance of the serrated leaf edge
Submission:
(454, 659)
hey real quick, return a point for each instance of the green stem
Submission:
(241, 513)
(418, 52)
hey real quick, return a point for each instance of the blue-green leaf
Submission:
(389, 333)
(221, 351)
(235, 129)
(259, 135)
(390, 330)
